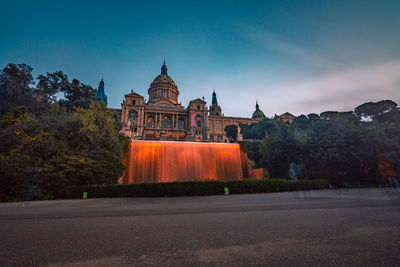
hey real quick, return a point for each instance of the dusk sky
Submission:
(295, 56)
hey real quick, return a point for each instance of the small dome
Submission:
(258, 113)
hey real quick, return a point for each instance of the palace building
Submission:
(162, 117)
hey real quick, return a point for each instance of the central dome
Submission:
(164, 88)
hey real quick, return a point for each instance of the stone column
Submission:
(141, 126)
(139, 117)
(123, 114)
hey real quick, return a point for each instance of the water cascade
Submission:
(167, 161)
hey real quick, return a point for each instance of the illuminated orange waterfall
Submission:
(167, 161)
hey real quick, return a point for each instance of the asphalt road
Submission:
(354, 228)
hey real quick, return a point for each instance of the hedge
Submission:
(194, 188)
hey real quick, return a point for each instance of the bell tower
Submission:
(215, 109)
(100, 94)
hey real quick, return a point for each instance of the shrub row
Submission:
(195, 188)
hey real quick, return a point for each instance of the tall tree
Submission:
(51, 84)
(16, 83)
(78, 94)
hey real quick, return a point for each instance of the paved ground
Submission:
(354, 228)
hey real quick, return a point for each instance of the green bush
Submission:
(195, 188)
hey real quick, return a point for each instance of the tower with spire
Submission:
(215, 109)
(100, 94)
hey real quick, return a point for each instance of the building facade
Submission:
(162, 117)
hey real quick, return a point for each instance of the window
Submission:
(133, 102)
(198, 107)
(181, 124)
(135, 130)
(198, 120)
(132, 115)
(166, 122)
(150, 122)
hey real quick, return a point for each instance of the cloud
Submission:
(271, 41)
(314, 82)
(340, 90)
(345, 89)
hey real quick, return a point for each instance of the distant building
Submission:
(285, 117)
(163, 117)
(100, 94)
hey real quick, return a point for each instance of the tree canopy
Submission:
(231, 132)
(339, 146)
(47, 143)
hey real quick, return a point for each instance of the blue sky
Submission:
(296, 56)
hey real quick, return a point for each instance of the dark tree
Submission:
(313, 117)
(51, 84)
(231, 132)
(337, 146)
(259, 130)
(47, 145)
(302, 121)
(382, 111)
(16, 83)
(77, 94)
